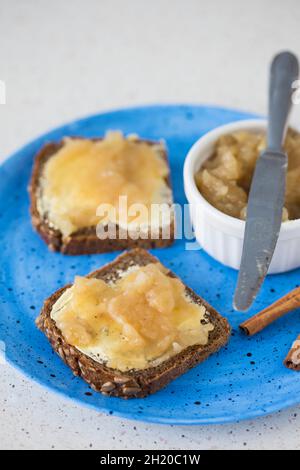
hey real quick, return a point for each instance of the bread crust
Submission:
(83, 241)
(134, 383)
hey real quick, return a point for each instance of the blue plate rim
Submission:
(221, 419)
(87, 117)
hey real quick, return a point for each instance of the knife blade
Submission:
(266, 197)
(262, 225)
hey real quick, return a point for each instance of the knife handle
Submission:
(284, 71)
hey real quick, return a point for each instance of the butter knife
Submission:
(266, 197)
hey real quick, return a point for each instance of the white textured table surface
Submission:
(61, 60)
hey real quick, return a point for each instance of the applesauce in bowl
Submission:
(218, 210)
(225, 177)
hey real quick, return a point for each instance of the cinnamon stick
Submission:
(265, 317)
(292, 360)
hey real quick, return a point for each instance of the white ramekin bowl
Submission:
(221, 235)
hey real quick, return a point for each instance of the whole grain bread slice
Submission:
(134, 383)
(85, 241)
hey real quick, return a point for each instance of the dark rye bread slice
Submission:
(83, 241)
(134, 383)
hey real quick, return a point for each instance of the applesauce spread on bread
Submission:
(137, 321)
(225, 178)
(85, 173)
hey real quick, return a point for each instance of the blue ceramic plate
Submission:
(244, 380)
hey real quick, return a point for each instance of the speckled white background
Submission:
(65, 59)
